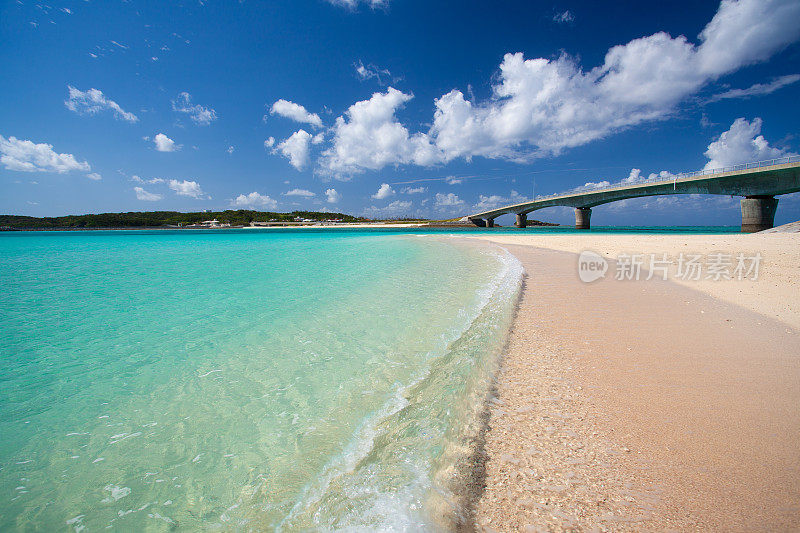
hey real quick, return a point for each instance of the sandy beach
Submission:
(650, 404)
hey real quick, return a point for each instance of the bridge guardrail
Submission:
(675, 177)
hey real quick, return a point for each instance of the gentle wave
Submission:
(243, 380)
(426, 497)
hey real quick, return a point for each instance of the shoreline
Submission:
(581, 435)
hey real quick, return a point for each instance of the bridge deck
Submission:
(768, 178)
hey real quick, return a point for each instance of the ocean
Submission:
(237, 380)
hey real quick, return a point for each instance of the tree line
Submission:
(153, 219)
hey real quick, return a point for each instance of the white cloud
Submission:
(295, 112)
(414, 190)
(744, 32)
(394, 209)
(381, 75)
(332, 196)
(448, 200)
(142, 194)
(27, 156)
(230, 149)
(93, 101)
(165, 144)
(187, 188)
(137, 179)
(634, 176)
(452, 180)
(594, 185)
(254, 200)
(299, 192)
(758, 89)
(384, 191)
(540, 107)
(370, 137)
(664, 174)
(487, 203)
(564, 17)
(742, 143)
(202, 116)
(295, 149)
(269, 143)
(352, 4)
(94, 176)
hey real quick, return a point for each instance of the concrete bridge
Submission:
(758, 183)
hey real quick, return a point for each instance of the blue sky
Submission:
(388, 108)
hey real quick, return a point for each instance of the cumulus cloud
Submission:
(94, 101)
(414, 190)
(254, 199)
(200, 115)
(27, 156)
(332, 196)
(487, 203)
(370, 137)
(541, 107)
(742, 143)
(165, 144)
(295, 149)
(230, 149)
(269, 143)
(187, 188)
(744, 32)
(592, 185)
(143, 195)
(94, 176)
(452, 180)
(394, 209)
(300, 192)
(634, 176)
(384, 191)
(448, 200)
(758, 89)
(295, 112)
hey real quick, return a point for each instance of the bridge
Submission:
(758, 183)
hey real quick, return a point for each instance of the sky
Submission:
(389, 108)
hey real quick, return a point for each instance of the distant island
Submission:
(159, 219)
(208, 219)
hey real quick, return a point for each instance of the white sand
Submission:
(776, 293)
(650, 405)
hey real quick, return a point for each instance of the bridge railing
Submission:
(669, 177)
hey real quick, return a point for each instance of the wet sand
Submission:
(647, 405)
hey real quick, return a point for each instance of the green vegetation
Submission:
(154, 219)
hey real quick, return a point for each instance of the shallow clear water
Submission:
(236, 380)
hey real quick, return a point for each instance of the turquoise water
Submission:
(242, 380)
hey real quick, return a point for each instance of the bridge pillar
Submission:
(522, 220)
(758, 213)
(489, 222)
(582, 217)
